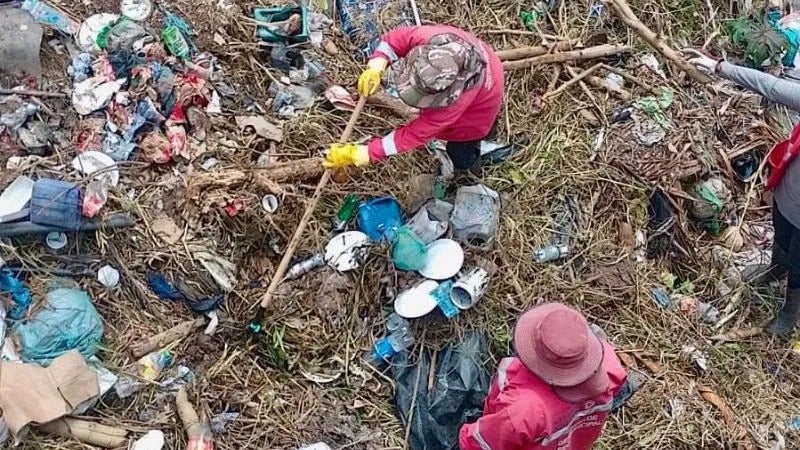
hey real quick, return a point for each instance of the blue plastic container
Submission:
(380, 218)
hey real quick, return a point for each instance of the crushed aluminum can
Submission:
(305, 266)
(552, 252)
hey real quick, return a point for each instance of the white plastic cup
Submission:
(469, 288)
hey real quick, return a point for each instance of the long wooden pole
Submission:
(312, 204)
(572, 55)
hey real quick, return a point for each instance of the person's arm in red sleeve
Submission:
(430, 123)
(494, 432)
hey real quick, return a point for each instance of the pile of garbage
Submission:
(418, 246)
(142, 93)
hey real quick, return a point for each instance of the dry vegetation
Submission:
(304, 381)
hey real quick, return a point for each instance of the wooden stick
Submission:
(393, 104)
(87, 432)
(266, 178)
(624, 12)
(6, 91)
(312, 204)
(569, 83)
(531, 51)
(573, 55)
(165, 338)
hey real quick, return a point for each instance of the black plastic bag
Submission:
(460, 386)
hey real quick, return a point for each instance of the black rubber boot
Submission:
(784, 323)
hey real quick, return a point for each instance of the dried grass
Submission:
(321, 324)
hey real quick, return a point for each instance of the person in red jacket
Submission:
(558, 391)
(454, 78)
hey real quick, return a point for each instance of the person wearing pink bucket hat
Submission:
(556, 393)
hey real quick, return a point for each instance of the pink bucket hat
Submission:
(555, 342)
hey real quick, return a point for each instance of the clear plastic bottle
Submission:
(47, 15)
(390, 345)
(394, 322)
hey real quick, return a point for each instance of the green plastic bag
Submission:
(408, 250)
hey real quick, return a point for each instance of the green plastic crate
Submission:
(270, 15)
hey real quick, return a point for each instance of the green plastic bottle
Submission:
(346, 213)
(175, 42)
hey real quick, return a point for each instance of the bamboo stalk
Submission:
(531, 51)
(572, 55)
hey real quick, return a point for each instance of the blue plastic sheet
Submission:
(380, 218)
(70, 322)
(20, 295)
(162, 287)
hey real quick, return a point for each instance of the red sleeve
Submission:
(613, 366)
(429, 124)
(494, 431)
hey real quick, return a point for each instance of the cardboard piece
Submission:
(30, 393)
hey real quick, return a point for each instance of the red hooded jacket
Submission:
(470, 118)
(522, 412)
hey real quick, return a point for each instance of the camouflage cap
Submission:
(435, 75)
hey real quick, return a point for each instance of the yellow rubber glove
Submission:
(343, 155)
(370, 79)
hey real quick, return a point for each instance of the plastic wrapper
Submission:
(408, 251)
(121, 35)
(81, 67)
(19, 293)
(176, 135)
(431, 221)
(92, 94)
(94, 198)
(17, 118)
(69, 322)
(461, 383)
(476, 215)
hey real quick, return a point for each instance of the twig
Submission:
(165, 338)
(585, 89)
(6, 91)
(410, 418)
(312, 204)
(624, 12)
(554, 79)
(552, 37)
(573, 55)
(531, 51)
(569, 83)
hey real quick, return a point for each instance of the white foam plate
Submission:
(443, 260)
(346, 251)
(416, 301)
